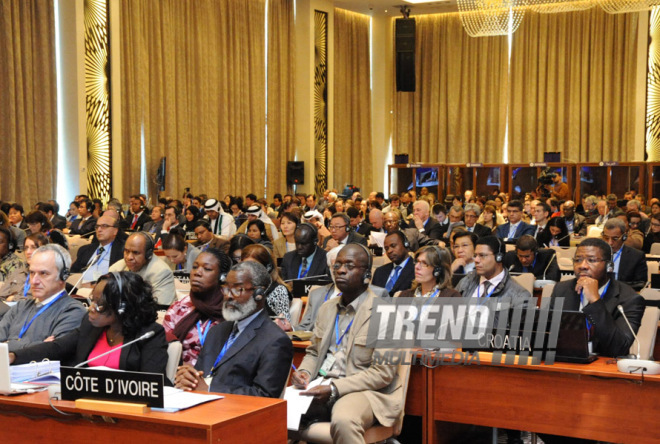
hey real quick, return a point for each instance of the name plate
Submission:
(301, 287)
(134, 387)
(608, 164)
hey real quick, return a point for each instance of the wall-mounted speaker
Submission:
(295, 173)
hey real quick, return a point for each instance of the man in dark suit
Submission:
(542, 213)
(137, 216)
(528, 258)
(155, 225)
(85, 223)
(308, 259)
(96, 258)
(55, 219)
(398, 274)
(597, 293)
(515, 228)
(629, 263)
(423, 222)
(341, 233)
(575, 223)
(248, 354)
(472, 212)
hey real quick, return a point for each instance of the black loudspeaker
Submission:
(405, 55)
(295, 173)
(552, 157)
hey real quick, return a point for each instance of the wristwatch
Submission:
(334, 395)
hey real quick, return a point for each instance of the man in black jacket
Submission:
(629, 263)
(528, 258)
(96, 258)
(308, 259)
(398, 274)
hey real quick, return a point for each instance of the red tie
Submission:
(135, 218)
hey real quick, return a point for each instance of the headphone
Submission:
(315, 232)
(259, 292)
(610, 264)
(64, 272)
(122, 303)
(149, 245)
(402, 237)
(366, 277)
(499, 256)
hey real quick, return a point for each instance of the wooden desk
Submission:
(235, 419)
(592, 401)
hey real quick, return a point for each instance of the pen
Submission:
(294, 367)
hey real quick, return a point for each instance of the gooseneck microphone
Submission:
(637, 365)
(147, 335)
(84, 270)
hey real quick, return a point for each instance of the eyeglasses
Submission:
(104, 227)
(590, 260)
(348, 266)
(93, 306)
(336, 227)
(236, 291)
(423, 264)
(608, 238)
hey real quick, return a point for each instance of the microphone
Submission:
(636, 365)
(147, 335)
(91, 264)
(306, 277)
(554, 256)
(511, 267)
(540, 283)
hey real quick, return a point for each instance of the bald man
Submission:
(575, 223)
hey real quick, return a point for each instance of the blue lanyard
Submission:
(618, 255)
(222, 354)
(306, 270)
(338, 338)
(327, 295)
(27, 324)
(26, 286)
(489, 294)
(532, 267)
(582, 302)
(201, 333)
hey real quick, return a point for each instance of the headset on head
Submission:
(366, 277)
(501, 250)
(64, 272)
(402, 237)
(121, 309)
(149, 245)
(315, 232)
(260, 292)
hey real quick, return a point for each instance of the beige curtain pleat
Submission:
(193, 74)
(573, 86)
(458, 111)
(281, 84)
(28, 101)
(352, 101)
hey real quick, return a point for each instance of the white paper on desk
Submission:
(377, 238)
(297, 404)
(176, 399)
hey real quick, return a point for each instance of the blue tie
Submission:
(393, 278)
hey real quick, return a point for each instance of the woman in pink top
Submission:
(122, 309)
(190, 319)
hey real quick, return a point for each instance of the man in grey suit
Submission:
(247, 354)
(139, 258)
(361, 392)
(341, 233)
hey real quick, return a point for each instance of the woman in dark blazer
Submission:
(122, 309)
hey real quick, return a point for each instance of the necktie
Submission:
(512, 231)
(393, 278)
(96, 258)
(303, 272)
(487, 285)
(133, 225)
(470, 229)
(232, 336)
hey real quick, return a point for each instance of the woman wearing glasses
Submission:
(122, 309)
(432, 274)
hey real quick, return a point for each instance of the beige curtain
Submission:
(281, 84)
(193, 79)
(352, 101)
(573, 86)
(28, 101)
(458, 111)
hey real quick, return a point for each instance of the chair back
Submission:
(654, 267)
(525, 280)
(594, 231)
(547, 291)
(646, 334)
(174, 351)
(655, 248)
(295, 310)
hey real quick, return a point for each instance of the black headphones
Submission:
(366, 277)
(149, 245)
(315, 232)
(121, 309)
(64, 272)
(499, 256)
(402, 237)
(437, 270)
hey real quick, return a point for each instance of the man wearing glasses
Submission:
(96, 258)
(629, 264)
(596, 292)
(248, 354)
(341, 233)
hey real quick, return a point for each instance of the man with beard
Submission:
(248, 354)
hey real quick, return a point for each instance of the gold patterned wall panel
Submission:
(320, 102)
(97, 99)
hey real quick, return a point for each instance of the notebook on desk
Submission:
(6, 386)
